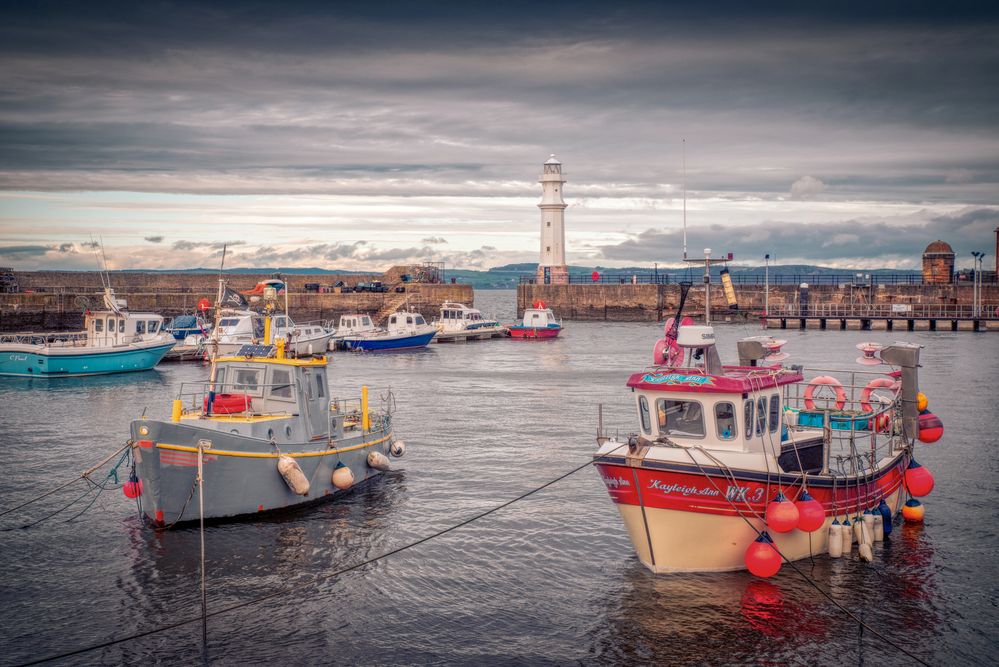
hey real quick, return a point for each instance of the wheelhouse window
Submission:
(643, 413)
(99, 326)
(140, 327)
(725, 420)
(152, 326)
(774, 413)
(121, 326)
(761, 415)
(748, 417)
(392, 320)
(228, 322)
(281, 384)
(420, 320)
(320, 385)
(680, 418)
(366, 321)
(246, 380)
(409, 320)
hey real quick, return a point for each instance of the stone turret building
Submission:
(938, 263)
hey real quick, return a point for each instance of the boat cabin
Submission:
(282, 326)
(540, 318)
(108, 328)
(459, 317)
(731, 408)
(403, 322)
(240, 326)
(355, 324)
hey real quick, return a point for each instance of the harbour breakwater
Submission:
(57, 300)
(910, 306)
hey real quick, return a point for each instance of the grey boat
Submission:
(267, 435)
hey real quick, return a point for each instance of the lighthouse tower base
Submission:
(552, 275)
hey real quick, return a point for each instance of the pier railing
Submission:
(906, 311)
(774, 279)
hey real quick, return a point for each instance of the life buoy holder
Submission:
(827, 381)
(876, 383)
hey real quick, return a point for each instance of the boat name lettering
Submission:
(18, 357)
(615, 482)
(740, 494)
(733, 493)
(676, 378)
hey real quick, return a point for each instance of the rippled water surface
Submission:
(552, 579)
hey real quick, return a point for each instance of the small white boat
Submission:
(302, 339)
(460, 322)
(246, 327)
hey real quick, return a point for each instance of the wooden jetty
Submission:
(884, 317)
(473, 334)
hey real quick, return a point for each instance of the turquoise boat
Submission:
(114, 341)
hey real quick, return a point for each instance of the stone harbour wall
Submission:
(637, 303)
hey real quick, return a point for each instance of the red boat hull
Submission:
(534, 332)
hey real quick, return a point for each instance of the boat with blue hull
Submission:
(405, 331)
(114, 341)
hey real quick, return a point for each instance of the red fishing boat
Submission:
(746, 465)
(538, 322)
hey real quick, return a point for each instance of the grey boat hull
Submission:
(240, 472)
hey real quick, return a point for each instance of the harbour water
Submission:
(549, 580)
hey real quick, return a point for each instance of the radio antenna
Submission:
(684, 152)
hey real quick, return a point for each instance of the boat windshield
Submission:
(680, 418)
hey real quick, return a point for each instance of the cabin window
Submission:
(121, 326)
(748, 417)
(535, 316)
(279, 322)
(152, 325)
(761, 415)
(320, 385)
(140, 327)
(220, 381)
(99, 326)
(229, 322)
(409, 320)
(682, 418)
(643, 412)
(774, 413)
(420, 320)
(725, 420)
(392, 320)
(258, 327)
(366, 321)
(281, 383)
(246, 380)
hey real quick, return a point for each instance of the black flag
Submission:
(233, 299)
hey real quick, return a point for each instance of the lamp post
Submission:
(975, 285)
(766, 289)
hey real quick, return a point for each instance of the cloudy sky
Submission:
(363, 135)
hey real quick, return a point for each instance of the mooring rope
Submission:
(318, 580)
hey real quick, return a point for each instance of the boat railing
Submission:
(62, 339)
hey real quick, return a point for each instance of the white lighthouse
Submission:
(552, 269)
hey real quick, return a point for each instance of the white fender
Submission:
(378, 461)
(879, 528)
(865, 553)
(858, 530)
(847, 540)
(293, 475)
(869, 529)
(343, 478)
(397, 449)
(835, 540)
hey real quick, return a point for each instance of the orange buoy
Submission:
(913, 511)
(811, 514)
(782, 514)
(930, 428)
(918, 479)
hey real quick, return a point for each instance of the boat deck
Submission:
(475, 334)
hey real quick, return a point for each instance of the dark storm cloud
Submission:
(847, 240)
(19, 252)
(154, 239)
(880, 99)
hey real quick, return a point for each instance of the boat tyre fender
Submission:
(825, 380)
(876, 383)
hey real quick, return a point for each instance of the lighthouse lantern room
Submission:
(552, 269)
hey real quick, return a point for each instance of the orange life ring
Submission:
(825, 380)
(876, 383)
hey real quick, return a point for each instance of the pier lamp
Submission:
(976, 288)
(766, 288)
